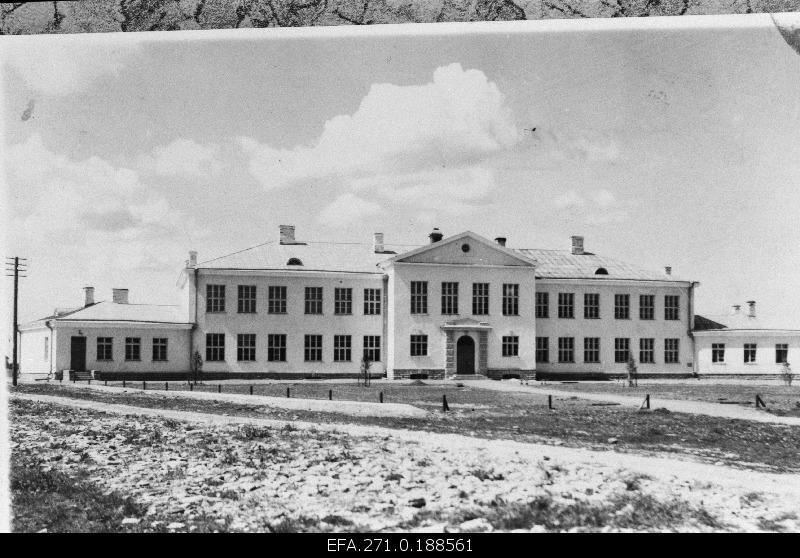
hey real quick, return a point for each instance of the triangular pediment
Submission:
(466, 248)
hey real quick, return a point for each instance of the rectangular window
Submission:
(542, 349)
(342, 348)
(510, 299)
(647, 350)
(622, 306)
(372, 347)
(313, 348)
(419, 297)
(247, 299)
(647, 307)
(313, 300)
(591, 306)
(671, 350)
(717, 352)
(105, 348)
(215, 298)
(622, 349)
(215, 347)
(276, 347)
(591, 349)
(542, 305)
(276, 298)
(566, 349)
(749, 352)
(342, 301)
(46, 348)
(449, 298)
(372, 302)
(419, 345)
(510, 345)
(160, 349)
(133, 348)
(672, 307)
(246, 347)
(566, 305)
(781, 353)
(480, 299)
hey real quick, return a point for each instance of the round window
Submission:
(465, 248)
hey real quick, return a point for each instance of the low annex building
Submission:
(461, 306)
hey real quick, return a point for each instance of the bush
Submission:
(786, 374)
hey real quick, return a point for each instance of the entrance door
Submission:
(77, 353)
(465, 355)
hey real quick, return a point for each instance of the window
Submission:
(372, 347)
(622, 306)
(510, 299)
(480, 299)
(133, 348)
(246, 347)
(276, 300)
(672, 307)
(419, 297)
(781, 353)
(566, 305)
(372, 302)
(647, 350)
(591, 306)
(601, 271)
(105, 346)
(160, 349)
(46, 347)
(215, 347)
(313, 348)
(342, 348)
(247, 299)
(591, 349)
(276, 347)
(449, 298)
(647, 307)
(718, 352)
(313, 300)
(542, 349)
(622, 349)
(342, 301)
(510, 345)
(215, 298)
(419, 345)
(294, 261)
(566, 349)
(749, 352)
(542, 305)
(671, 350)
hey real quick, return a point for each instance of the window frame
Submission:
(566, 350)
(372, 301)
(566, 306)
(510, 299)
(212, 345)
(418, 345)
(480, 299)
(160, 344)
(277, 296)
(215, 298)
(449, 298)
(672, 355)
(542, 349)
(372, 346)
(312, 302)
(133, 344)
(591, 350)
(312, 347)
(418, 291)
(622, 350)
(102, 340)
(750, 353)
(647, 350)
(647, 307)
(343, 301)
(246, 296)
(784, 348)
(672, 312)
(542, 305)
(342, 348)
(591, 301)
(622, 306)
(510, 345)
(718, 353)
(276, 347)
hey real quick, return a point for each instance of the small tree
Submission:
(197, 366)
(632, 373)
(786, 374)
(365, 362)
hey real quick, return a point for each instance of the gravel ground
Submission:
(250, 477)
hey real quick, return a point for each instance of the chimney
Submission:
(501, 240)
(287, 234)
(89, 298)
(120, 296)
(436, 235)
(377, 243)
(668, 270)
(752, 305)
(577, 245)
(736, 308)
(192, 259)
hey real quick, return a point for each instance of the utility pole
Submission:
(19, 264)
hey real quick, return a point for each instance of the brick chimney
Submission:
(668, 270)
(752, 308)
(577, 245)
(192, 259)
(120, 296)
(737, 308)
(89, 296)
(287, 234)
(377, 243)
(436, 235)
(501, 240)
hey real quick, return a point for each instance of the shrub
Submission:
(786, 374)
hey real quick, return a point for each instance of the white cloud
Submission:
(582, 146)
(183, 157)
(346, 209)
(595, 206)
(459, 118)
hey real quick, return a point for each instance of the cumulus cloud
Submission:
(183, 157)
(347, 209)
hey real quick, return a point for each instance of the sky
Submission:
(660, 146)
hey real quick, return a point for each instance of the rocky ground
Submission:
(179, 476)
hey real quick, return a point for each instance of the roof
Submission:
(736, 321)
(113, 312)
(563, 264)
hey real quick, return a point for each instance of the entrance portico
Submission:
(466, 347)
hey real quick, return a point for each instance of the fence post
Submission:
(251, 390)
(166, 386)
(219, 388)
(330, 395)
(382, 397)
(646, 403)
(191, 387)
(287, 392)
(90, 382)
(445, 406)
(549, 401)
(144, 385)
(760, 402)
(123, 383)
(105, 383)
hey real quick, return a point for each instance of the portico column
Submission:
(483, 352)
(449, 354)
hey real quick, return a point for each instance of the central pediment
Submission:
(466, 248)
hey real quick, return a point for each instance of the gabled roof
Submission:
(107, 311)
(563, 264)
(736, 321)
(523, 259)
